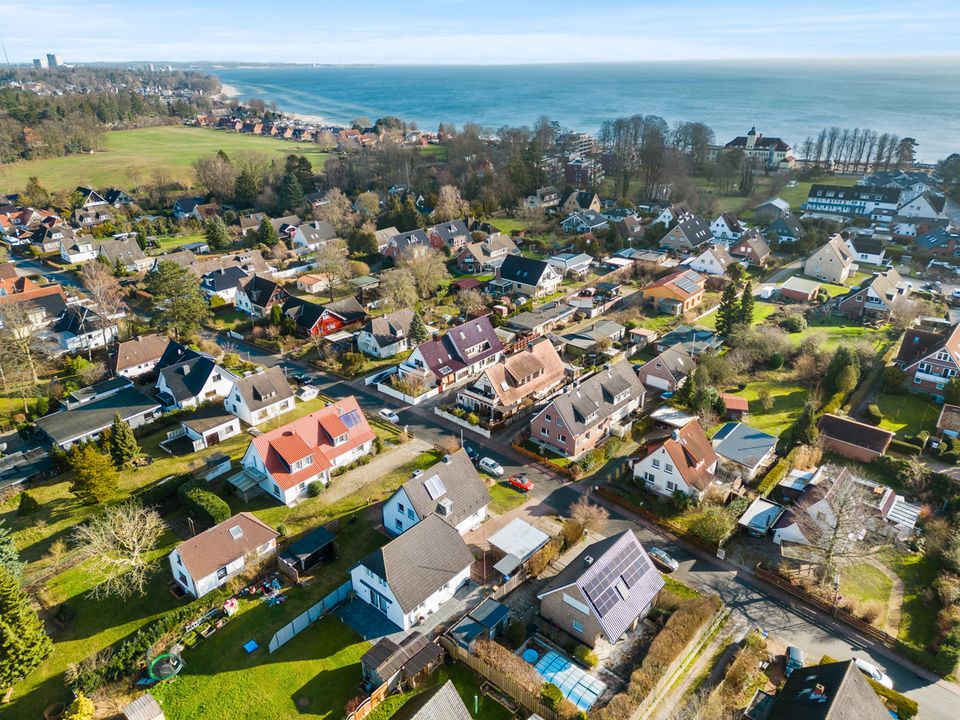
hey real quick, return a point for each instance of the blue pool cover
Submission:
(581, 688)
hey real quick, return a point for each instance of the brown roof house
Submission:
(682, 461)
(752, 249)
(390, 663)
(852, 439)
(581, 418)
(832, 262)
(668, 370)
(139, 356)
(929, 359)
(948, 423)
(515, 382)
(604, 592)
(208, 560)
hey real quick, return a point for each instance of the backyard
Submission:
(907, 414)
(787, 398)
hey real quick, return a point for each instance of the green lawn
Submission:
(508, 225)
(866, 583)
(796, 196)
(129, 158)
(504, 497)
(761, 311)
(788, 400)
(837, 331)
(918, 619)
(907, 414)
(169, 242)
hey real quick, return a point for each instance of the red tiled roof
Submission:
(735, 402)
(290, 447)
(334, 426)
(692, 454)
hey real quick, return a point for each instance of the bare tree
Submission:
(591, 517)
(20, 341)
(450, 205)
(904, 312)
(118, 545)
(470, 301)
(336, 210)
(332, 264)
(398, 288)
(427, 266)
(106, 292)
(216, 175)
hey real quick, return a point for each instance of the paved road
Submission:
(32, 267)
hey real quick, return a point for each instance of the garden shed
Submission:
(317, 546)
(144, 707)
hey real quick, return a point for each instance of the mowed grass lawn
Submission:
(788, 400)
(906, 413)
(761, 311)
(867, 583)
(129, 158)
(835, 331)
(918, 619)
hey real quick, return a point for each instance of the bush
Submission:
(473, 419)
(904, 448)
(315, 488)
(681, 501)
(777, 473)
(459, 411)
(551, 696)
(163, 495)
(586, 656)
(515, 634)
(873, 414)
(28, 505)
(712, 525)
(794, 323)
(893, 377)
(205, 507)
(775, 361)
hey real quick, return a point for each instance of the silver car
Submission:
(491, 467)
(662, 559)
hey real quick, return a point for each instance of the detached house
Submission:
(545, 198)
(413, 575)
(875, 297)
(668, 370)
(832, 262)
(581, 418)
(257, 294)
(785, 229)
(675, 293)
(604, 592)
(744, 449)
(209, 560)
(137, 357)
(284, 461)
(689, 235)
(713, 261)
(187, 378)
(771, 211)
(683, 461)
(260, 397)
(452, 235)
(533, 278)
(855, 440)
(930, 360)
(313, 319)
(460, 353)
(515, 382)
(727, 227)
(451, 489)
(80, 327)
(313, 235)
(751, 249)
(579, 201)
(387, 335)
(487, 255)
(126, 253)
(588, 221)
(78, 249)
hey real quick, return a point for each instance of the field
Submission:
(788, 400)
(761, 311)
(128, 158)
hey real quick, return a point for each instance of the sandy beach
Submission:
(229, 92)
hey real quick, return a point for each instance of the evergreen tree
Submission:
(9, 557)
(95, 478)
(418, 329)
(267, 234)
(123, 445)
(291, 193)
(612, 239)
(23, 643)
(728, 312)
(246, 189)
(805, 428)
(409, 218)
(745, 314)
(177, 301)
(735, 272)
(300, 166)
(216, 234)
(842, 358)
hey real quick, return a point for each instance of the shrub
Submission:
(551, 696)
(282, 530)
(377, 445)
(904, 448)
(586, 656)
(315, 488)
(473, 419)
(712, 525)
(163, 495)
(794, 323)
(459, 411)
(893, 377)
(28, 504)
(205, 507)
(873, 415)
(681, 501)
(515, 634)
(777, 473)
(775, 361)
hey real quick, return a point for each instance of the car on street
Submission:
(521, 482)
(471, 453)
(389, 416)
(662, 559)
(794, 660)
(873, 672)
(491, 467)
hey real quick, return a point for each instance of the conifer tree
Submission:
(9, 557)
(805, 428)
(291, 193)
(23, 643)
(95, 478)
(215, 233)
(418, 329)
(123, 445)
(746, 305)
(728, 313)
(267, 234)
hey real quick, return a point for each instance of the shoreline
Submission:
(230, 92)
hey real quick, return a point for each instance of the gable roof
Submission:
(449, 353)
(617, 579)
(918, 344)
(89, 417)
(205, 553)
(519, 269)
(175, 353)
(833, 691)
(317, 231)
(137, 351)
(695, 229)
(223, 279)
(265, 388)
(261, 290)
(751, 241)
(420, 561)
(311, 435)
(524, 373)
(887, 286)
(185, 380)
(855, 433)
(348, 309)
(837, 247)
(388, 329)
(682, 283)
(78, 319)
(742, 444)
(676, 360)
(413, 654)
(585, 406)
(125, 250)
(440, 703)
(691, 452)
(460, 484)
(788, 225)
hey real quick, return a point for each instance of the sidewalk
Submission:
(382, 464)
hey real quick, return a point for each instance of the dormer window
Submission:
(340, 439)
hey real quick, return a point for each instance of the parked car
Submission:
(662, 559)
(794, 660)
(471, 453)
(491, 467)
(521, 482)
(389, 416)
(873, 672)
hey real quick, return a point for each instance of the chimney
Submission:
(675, 434)
(446, 459)
(588, 560)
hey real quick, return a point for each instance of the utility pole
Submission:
(5, 56)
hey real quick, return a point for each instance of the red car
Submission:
(521, 482)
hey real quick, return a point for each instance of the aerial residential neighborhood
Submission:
(302, 417)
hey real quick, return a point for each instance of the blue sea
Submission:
(913, 97)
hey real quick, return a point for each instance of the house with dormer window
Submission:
(260, 397)
(285, 461)
(533, 278)
(584, 416)
(459, 354)
(930, 360)
(187, 378)
(683, 461)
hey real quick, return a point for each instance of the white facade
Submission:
(399, 515)
(367, 343)
(90, 340)
(218, 384)
(374, 590)
(722, 231)
(235, 404)
(198, 587)
(659, 475)
(919, 207)
(708, 263)
(80, 251)
(213, 435)
(866, 257)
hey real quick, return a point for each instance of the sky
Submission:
(474, 31)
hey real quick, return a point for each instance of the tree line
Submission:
(857, 150)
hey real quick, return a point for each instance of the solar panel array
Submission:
(351, 419)
(629, 564)
(435, 487)
(687, 282)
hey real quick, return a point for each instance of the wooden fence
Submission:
(530, 701)
(545, 462)
(368, 704)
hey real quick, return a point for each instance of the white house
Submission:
(79, 249)
(206, 427)
(208, 560)
(684, 461)
(923, 205)
(866, 249)
(311, 235)
(260, 397)
(387, 335)
(570, 263)
(286, 460)
(80, 328)
(136, 357)
(727, 228)
(193, 381)
(713, 261)
(584, 222)
(413, 575)
(672, 214)
(451, 489)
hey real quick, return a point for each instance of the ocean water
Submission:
(790, 99)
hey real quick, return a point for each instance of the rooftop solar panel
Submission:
(435, 487)
(351, 419)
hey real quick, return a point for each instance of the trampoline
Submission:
(579, 687)
(164, 666)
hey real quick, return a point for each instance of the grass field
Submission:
(761, 311)
(128, 158)
(788, 400)
(907, 414)
(918, 620)
(866, 583)
(504, 497)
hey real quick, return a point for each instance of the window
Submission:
(916, 380)
(668, 468)
(398, 523)
(545, 432)
(221, 573)
(561, 437)
(411, 514)
(546, 418)
(656, 464)
(401, 508)
(578, 626)
(671, 486)
(648, 477)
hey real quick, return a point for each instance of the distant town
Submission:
(309, 419)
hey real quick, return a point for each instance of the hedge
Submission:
(162, 495)
(777, 473)
(904, 448)
(204, 506)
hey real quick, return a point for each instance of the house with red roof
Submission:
(682, 461)
(283, 462)
(930, 360)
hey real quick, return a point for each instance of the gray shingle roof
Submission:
(388, 329)
(92, 417)
(441, 703)
(845, 695)
(464, 488)
(265, 388)
(596, 394)
(420, 561)
(519, 269)
(186, 379)
(742, 444)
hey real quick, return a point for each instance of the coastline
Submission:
(230, 92)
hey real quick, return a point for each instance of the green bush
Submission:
(282, 530)
(777, 473)
(893, 377)
(515, 634)
(586, 656)
(315, 488)
(473, 419)
(551, 696)
(775, 361)
(28, 505)
(459, 411)
(904, 448)
(712, 525)
(204, 506)
(794, 323)
(873, 414)
(163, 495)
